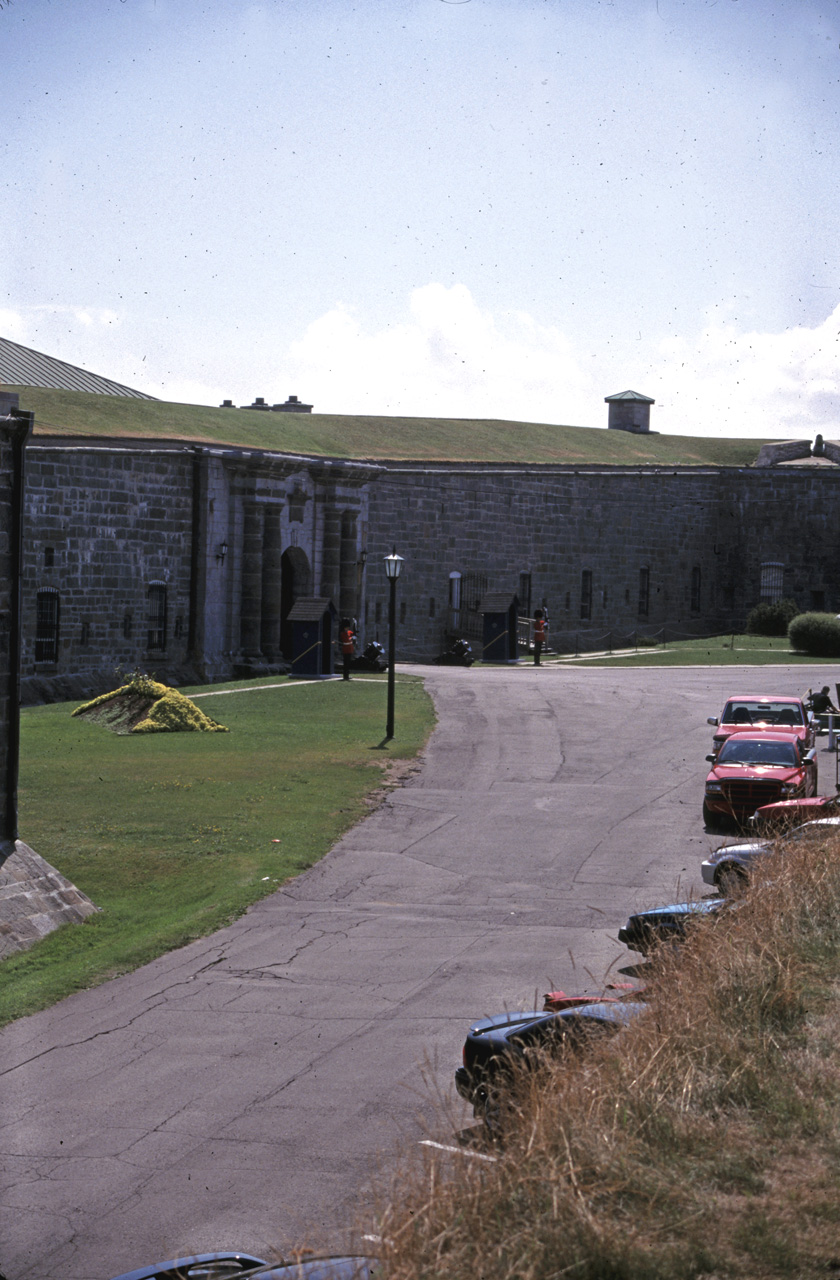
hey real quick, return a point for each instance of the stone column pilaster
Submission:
(250, 616)
(271, 578)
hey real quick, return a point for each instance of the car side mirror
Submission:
(711, 759)
(712, 720)
(810, 756)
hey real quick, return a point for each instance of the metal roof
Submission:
(497, 601)
(310, 609)
(23, 367)
(629, 395)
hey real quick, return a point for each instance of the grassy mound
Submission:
(144, 706)
(700, 1141)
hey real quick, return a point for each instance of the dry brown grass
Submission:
(704, 1140)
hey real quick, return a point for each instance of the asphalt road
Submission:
(243, 1090)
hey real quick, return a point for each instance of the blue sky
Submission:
(503, 208)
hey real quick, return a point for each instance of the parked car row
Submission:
(763, 751)
(764, 775)
(763, 768)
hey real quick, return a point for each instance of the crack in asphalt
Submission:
(151, 1003)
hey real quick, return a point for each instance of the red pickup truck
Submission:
(754, 769)
(755, 711)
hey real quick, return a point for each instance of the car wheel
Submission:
(493, 1116)
(731, 879)
(710, 818)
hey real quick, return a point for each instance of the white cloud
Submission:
(782, 385)
(13, 326)
(448, 359)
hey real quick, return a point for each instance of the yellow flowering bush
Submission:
(143, 705)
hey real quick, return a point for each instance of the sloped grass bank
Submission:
(369, 436)
(703, 1141)
(174, 835)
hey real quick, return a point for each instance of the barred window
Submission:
(525, 595)
(455, 600)
(586, 594)
(473, 587)
(47, 617)
(772, 581)
(644, 592)
(156, 616)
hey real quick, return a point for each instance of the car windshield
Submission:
(745, 711)
(738, 750)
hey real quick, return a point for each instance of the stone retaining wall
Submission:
(35, 899)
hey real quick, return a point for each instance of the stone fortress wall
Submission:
(185, 560)
(179, 560)
(688, 548)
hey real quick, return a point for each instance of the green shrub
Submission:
(771, 619)
(816, 633)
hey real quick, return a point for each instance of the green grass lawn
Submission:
(716, 651)
(174, 834)
(74, 413)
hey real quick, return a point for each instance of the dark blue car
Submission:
(646, 930)
(495, 1045)
(242, 1266)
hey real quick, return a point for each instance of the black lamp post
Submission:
(393, 565)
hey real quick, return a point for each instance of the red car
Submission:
(754, 769)
(754, 711)
(785, 814)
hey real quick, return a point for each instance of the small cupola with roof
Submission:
(629, 411)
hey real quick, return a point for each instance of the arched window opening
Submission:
(585, 594)
(156, 616)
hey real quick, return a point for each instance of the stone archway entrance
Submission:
(295, 580)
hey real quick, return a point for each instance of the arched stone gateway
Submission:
(295, 581)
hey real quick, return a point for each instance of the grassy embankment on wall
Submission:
(174, 834)
(701, 1141)
(359, 436)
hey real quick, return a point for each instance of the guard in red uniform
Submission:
(539, 635)
(348, 645)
